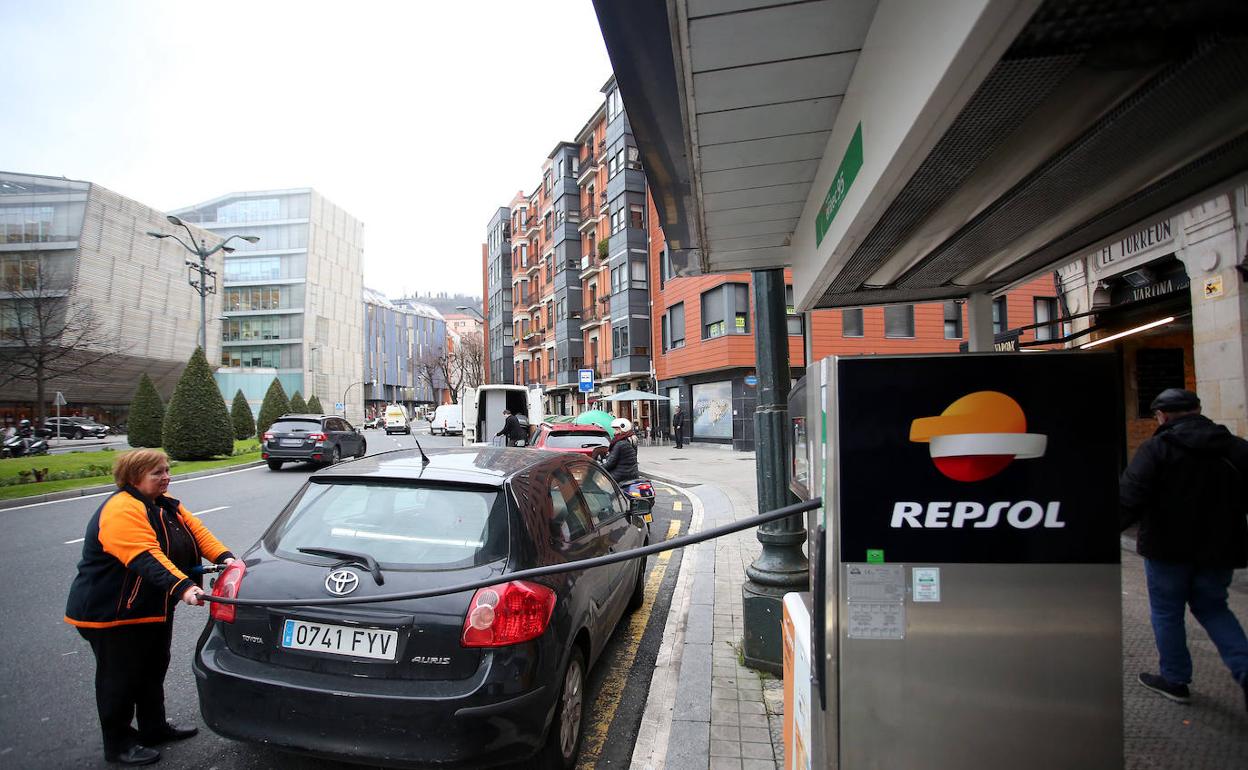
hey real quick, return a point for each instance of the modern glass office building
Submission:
(103, 303)
(291, 301)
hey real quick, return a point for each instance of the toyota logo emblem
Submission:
(341, 582)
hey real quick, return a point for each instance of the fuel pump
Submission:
(965, 603)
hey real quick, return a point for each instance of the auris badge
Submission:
(977, 436)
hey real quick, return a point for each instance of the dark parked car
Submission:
(468, 679)
(316, 438)
(74, 427)
(589, 440)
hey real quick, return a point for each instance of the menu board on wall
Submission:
(712, 410)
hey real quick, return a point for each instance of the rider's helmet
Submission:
(24, 424)
(622, 425)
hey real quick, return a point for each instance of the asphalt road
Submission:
(47, 709)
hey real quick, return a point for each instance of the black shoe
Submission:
(137, 754)
(1162, 686)
(171, 733)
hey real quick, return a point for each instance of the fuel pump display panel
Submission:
(982, 462)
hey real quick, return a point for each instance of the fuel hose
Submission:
(536, 572)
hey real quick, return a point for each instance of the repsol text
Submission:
(1025, 514)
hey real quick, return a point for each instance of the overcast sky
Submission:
(418, 118)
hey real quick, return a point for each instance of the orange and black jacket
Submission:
(135, 561)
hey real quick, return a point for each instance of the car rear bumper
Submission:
(395, 722)
(317, 454)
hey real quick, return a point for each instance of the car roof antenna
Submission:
(424, 459)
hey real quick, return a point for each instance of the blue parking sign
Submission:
(586, 380)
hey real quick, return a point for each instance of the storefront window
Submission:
(712, 410)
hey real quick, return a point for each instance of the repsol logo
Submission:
(1026, 514)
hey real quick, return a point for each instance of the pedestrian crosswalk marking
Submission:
(678, 506)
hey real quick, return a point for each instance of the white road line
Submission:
(71, 542)
(210, 510)
(105, 494)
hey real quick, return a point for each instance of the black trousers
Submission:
(680, 439)
(130, 666)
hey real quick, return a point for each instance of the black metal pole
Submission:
(781, 567)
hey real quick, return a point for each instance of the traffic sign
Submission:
(586, 380)
(339, 406)
(60, 399)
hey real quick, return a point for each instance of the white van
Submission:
(447, 419)
(396, 420)
(483, 410)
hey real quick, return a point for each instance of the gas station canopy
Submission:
(894, 152)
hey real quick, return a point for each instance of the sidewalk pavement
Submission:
(706, 710)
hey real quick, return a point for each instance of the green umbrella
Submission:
(597, 417)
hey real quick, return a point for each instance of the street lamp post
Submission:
(200, 273)
(348, 390)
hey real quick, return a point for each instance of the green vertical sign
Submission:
(845, 174)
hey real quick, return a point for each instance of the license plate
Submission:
(292, 442)
(340, 640)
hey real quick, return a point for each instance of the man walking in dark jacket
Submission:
(678, 427)
(512, 432)
(1187, 486)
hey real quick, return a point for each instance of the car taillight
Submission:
(317, 436)
(227, 586)
(268, 436)
(507, 614)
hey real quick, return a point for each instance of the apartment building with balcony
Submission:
(291, 301)
(704, 339)
(497, 274)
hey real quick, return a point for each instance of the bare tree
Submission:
(471, 352)
(451, 366)
(429, 370)
(46, 333)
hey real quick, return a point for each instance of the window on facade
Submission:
(32, 224)
(615, 105)
(634, 158)
(636, 217)
(261, 269)
(617, 221)
(792, 321)
(1000, 320)
(726, 310)
(19, 272)
(17, 319)
(619, 279)
(899, 321)
(1046, 311)
(953, 320)
(674, 327)
(562, 168)
(250, 358)
(562, 309)
(638, 274)
(619, 341)
(851, 322)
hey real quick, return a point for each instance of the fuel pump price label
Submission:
(875, 596)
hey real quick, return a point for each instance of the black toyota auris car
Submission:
(472, 678)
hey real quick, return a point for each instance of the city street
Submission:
(47, 709)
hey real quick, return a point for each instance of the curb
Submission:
(70, 494)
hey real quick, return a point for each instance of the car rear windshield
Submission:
(402, 526)
(564, 440)
(296, 426)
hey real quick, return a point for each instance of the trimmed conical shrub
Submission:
(297, 404)
(197, 423)
(275, 405)
(314, 406)
(147, 414)
(240, 415)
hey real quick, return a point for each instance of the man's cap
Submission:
(1175, 400)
